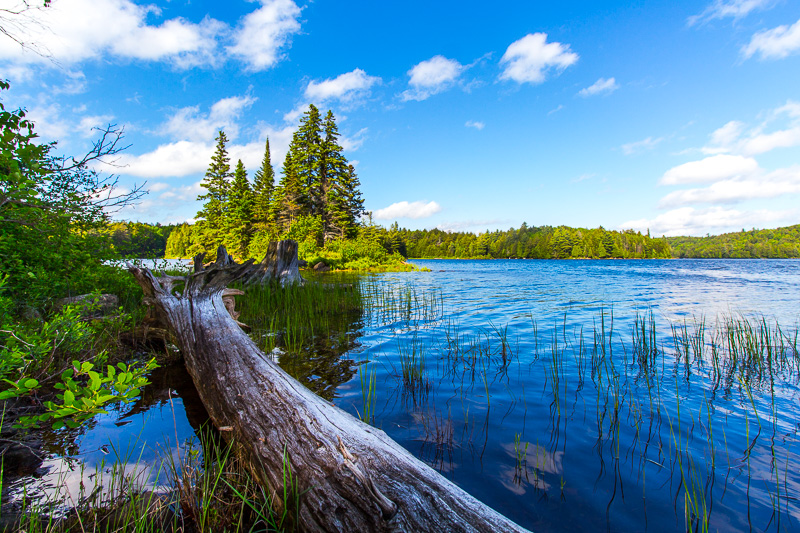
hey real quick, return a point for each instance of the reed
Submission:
(366, 375)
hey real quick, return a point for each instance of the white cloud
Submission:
(714, 220)
(529, 59)
(187, 157)
(726, 135)
(264, 32)
(713, 168)
(431, 77)
(475, 124)
(48, 122)
(351, 143)
(89, 124)
(188, 124)
(71, 31)
(183, 193)
(781, 129)
(738, 189)
(776, 43)
(735, 9)
(158, 187)
(346, 87)
(176, 159)
(601, 86)
(640, 146)
(407, 210)
(279, 139)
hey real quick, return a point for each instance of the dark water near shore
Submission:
(533, 396)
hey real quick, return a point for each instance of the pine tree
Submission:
(238, 214)
(217, 182)
(306, 151)
(330, 186)
(350, 207)
(263, 187)
(290, 199)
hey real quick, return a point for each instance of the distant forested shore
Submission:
(136, 239)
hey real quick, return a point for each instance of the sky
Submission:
(677, 117)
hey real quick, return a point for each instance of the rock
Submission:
(92, 304)
(302, 263)
(321, 267)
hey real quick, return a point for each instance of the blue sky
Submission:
(680, 117)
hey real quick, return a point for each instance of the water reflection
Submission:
(131, 442)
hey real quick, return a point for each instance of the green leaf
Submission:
(58, 424)
(69, 397)
(31, 383)
(86, 366)
(122, 366)
(111, 371)
(94, 378)
(66, 374)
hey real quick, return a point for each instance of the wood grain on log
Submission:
(348, 476)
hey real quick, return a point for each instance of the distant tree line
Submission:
(529, 242)
(777, 243)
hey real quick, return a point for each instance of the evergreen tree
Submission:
(290, 200)
(306, 153)
(217, 182)
(346, 204)
(263, 186)
(238, 214)
(332, 183)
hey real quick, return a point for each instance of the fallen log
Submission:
(345, 474)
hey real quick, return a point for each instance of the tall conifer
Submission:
(217, 182)
(239, 214)
(263, 186)
(306, 150)
(292, 200)
(333, 174)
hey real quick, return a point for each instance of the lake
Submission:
(654, 395)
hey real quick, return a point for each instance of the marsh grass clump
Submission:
(412, 355)
(294, 316)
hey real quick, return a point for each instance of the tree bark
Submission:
(346, 475)
(280, 263)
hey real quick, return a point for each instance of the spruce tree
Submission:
(263, 186)
(349, 206)
(333, 175)
(238, 214)
(217, 181)
(306, 152)
(292, 200)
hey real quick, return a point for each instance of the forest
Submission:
(317, 202)
(779, 243)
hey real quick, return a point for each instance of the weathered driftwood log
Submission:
(349, 476)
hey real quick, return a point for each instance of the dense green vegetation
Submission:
(317, 202)
(765, 243)
(543, 242)
(54, 240)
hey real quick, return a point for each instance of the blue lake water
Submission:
(534, 394)
(615, 444)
